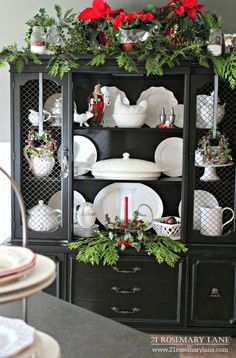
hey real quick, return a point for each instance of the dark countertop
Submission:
(81, 333)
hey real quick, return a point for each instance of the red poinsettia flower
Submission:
(99, 10)
(186, 6)
(125, 17)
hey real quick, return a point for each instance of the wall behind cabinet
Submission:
(14, 14)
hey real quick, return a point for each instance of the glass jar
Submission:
(215, 42)
(52, 37)
(38, 40)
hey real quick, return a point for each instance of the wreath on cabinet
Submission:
(155, 36)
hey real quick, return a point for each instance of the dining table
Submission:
(82, 333)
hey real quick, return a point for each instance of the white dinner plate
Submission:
(108, 120)
(157, 97)
(110, 200)
(85, 154)
(44, 346)
(18, 295)
(16, 275)
(15, 259)
(15, 335)
(202, 198)
(43, 269)
(169, 154)
(55, 200)
(50, 102)
(179, 115)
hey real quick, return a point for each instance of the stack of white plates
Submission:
(20, 284)
(15, 262)
(18, 339)
(85, 232)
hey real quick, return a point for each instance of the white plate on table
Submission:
(179, 115)
(44, 346)
(15, 259)
(44, 268)
(169, 153)
(108, 120)
(85, 154)
(16, 275)
(15, 336)
(110, 200)
(157, 98)
(202, 198)
(18, 295)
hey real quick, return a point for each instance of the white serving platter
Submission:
(110, 200)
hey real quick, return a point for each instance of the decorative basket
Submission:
(163, 229)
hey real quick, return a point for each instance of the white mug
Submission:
(211, 220)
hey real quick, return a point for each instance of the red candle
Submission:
(126, 208)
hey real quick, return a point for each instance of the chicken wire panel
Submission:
(40, 175)
(214, 162)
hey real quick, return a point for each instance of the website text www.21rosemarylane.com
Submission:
(189, 344)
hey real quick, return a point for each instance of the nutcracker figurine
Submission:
(96, 105)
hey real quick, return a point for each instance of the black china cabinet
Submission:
(199, 293)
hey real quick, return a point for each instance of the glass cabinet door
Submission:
(41, 166)
(212, 162)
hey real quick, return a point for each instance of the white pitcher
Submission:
(40, 166)
(211, 220)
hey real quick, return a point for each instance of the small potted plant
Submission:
(39, 152)
(134, 27)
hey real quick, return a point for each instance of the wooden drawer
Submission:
(156, 290)
(213, 291)
(125, 311)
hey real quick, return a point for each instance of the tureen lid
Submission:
(126, 164)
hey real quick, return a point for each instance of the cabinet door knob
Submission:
(126, 292)
(131, 311)
(215, 293)
(133, 270)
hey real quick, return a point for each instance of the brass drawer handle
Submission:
(131, 311)
(133, 270)
(125, 292)
(215, 293)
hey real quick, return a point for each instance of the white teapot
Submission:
(34, 117)
(43, 218)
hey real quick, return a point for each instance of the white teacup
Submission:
(86, 221)
(211, 220)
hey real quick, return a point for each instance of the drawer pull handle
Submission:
(215, 293)
(133, 270)
(131, 311)
(126, 292)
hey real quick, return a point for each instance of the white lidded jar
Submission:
(215, 42)
(38, 40)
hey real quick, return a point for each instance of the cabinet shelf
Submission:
(40, 180)
(116, 129)
(160, 180)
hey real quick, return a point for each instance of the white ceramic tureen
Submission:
(126, 168)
